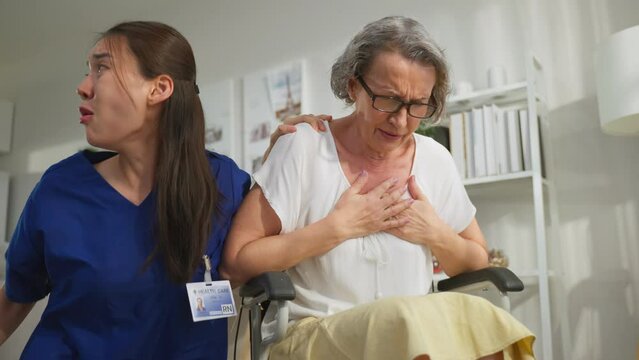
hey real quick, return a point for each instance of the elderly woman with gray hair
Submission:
(355, 215)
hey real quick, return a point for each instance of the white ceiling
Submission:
(44, 42)
(36, 39)
(39, 37)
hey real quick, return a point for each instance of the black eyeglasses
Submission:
(391, 104)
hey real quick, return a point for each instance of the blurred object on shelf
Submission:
(496, 76)
(496, 258)
(437, 132)
(436, 268)
(462, 88)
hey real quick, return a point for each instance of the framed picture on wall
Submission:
(217, 102)
(269, 97)
(285, 90)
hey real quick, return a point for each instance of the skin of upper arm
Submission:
(11, 315)
(255, 219)
(473, 233)
(472, 255)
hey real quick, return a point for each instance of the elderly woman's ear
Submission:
(351, 88)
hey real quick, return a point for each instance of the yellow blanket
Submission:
(443, 326)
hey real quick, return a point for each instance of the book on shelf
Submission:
(468, 144)
(489, 140)
(457, 145)
(542, 129)
(501, 140)
(514, 141)
(524, 123)
(479, 142)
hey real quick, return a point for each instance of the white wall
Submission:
(4, 206)
(594, 174)
(230, 39)
(598, 200)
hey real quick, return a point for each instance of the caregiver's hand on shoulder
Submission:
(288, 126)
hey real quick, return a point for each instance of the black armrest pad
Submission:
(276, 285)
(504, 279)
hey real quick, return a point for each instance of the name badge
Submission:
(211, 300)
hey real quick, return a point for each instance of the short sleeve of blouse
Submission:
(282, 176)
(459, 205)
(446, 190)
(456, 207)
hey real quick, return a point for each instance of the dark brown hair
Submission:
(186, 192)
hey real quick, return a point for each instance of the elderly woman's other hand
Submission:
(288, 126)
(423, 226)
(358, 214)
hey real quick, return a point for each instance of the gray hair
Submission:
(393, 33)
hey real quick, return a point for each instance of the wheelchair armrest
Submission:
(275, 285)
(504, 279)
(274, 288)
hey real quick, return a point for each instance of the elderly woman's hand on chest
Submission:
(422, 224)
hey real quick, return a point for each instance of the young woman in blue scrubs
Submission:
(112, 237)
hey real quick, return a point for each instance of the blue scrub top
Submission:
(84, 244)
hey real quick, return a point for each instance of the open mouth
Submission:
(84, 111)
(390, 135)
(85, 114)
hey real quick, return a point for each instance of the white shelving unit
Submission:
(526, 193)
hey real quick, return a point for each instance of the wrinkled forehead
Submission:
(394, 66)
(114, 48)
(392, 58)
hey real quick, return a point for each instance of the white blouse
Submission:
(302, 180)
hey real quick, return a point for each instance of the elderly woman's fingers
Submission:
(391, 196)
(395, 222)
(392, 189)
(382, 188)
(359, 183)
(397, 208)
(415, 191)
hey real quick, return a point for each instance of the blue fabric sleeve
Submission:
(233, 184)
(27, 279)
(241, 186)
